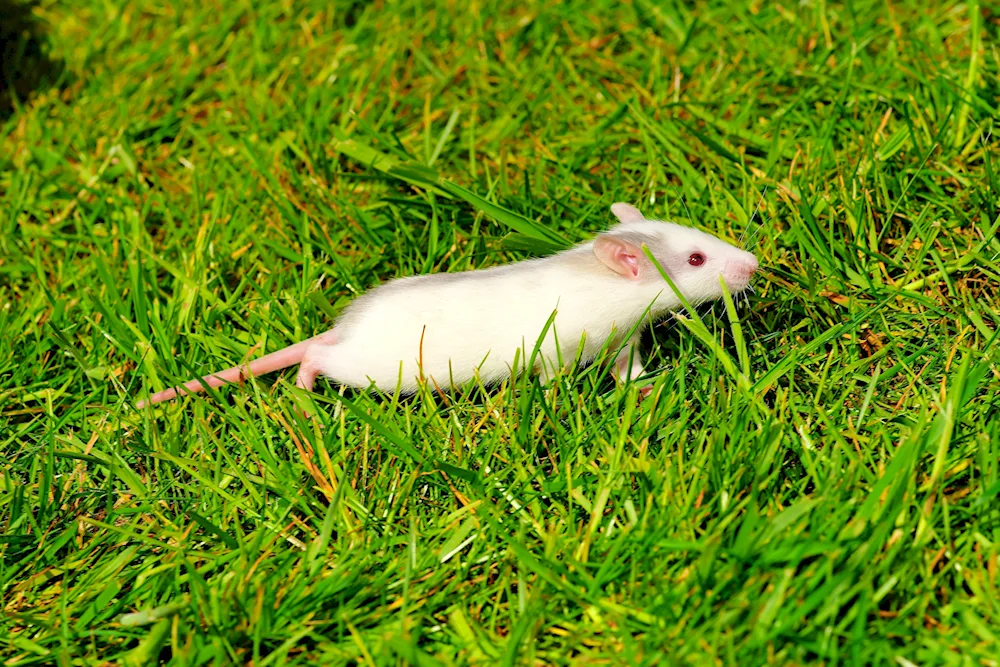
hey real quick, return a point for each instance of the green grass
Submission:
(813, 481)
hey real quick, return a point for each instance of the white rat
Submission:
(448, 328)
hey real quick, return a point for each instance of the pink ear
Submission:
(620, 256)
(626, 212)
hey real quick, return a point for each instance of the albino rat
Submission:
(447, 328)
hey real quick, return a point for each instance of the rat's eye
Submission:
(696, 259)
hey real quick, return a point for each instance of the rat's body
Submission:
(449, 328)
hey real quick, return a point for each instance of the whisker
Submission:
(759, 202)
(754, 235)
(754, 215)
(684, 204)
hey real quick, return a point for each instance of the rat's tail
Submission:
(275, 361)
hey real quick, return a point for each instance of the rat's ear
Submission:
(626, 212)
(620, 256)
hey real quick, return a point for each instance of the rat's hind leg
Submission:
(311, 364)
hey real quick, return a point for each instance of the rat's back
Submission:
(450, 327)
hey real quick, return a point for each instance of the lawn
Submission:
(813, 480)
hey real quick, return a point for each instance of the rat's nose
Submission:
(744, 268)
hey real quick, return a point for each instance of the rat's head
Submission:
(694, 260)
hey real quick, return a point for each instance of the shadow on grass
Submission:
(25, 65)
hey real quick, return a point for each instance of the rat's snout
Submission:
(739, 271)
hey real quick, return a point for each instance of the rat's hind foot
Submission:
(309, 367)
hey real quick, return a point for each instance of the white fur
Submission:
(448, 328)
(461, 325)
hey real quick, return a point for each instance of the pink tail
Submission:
(284, 358)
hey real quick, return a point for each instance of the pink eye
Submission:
(696, 259)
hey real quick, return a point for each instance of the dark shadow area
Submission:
(25, 65)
